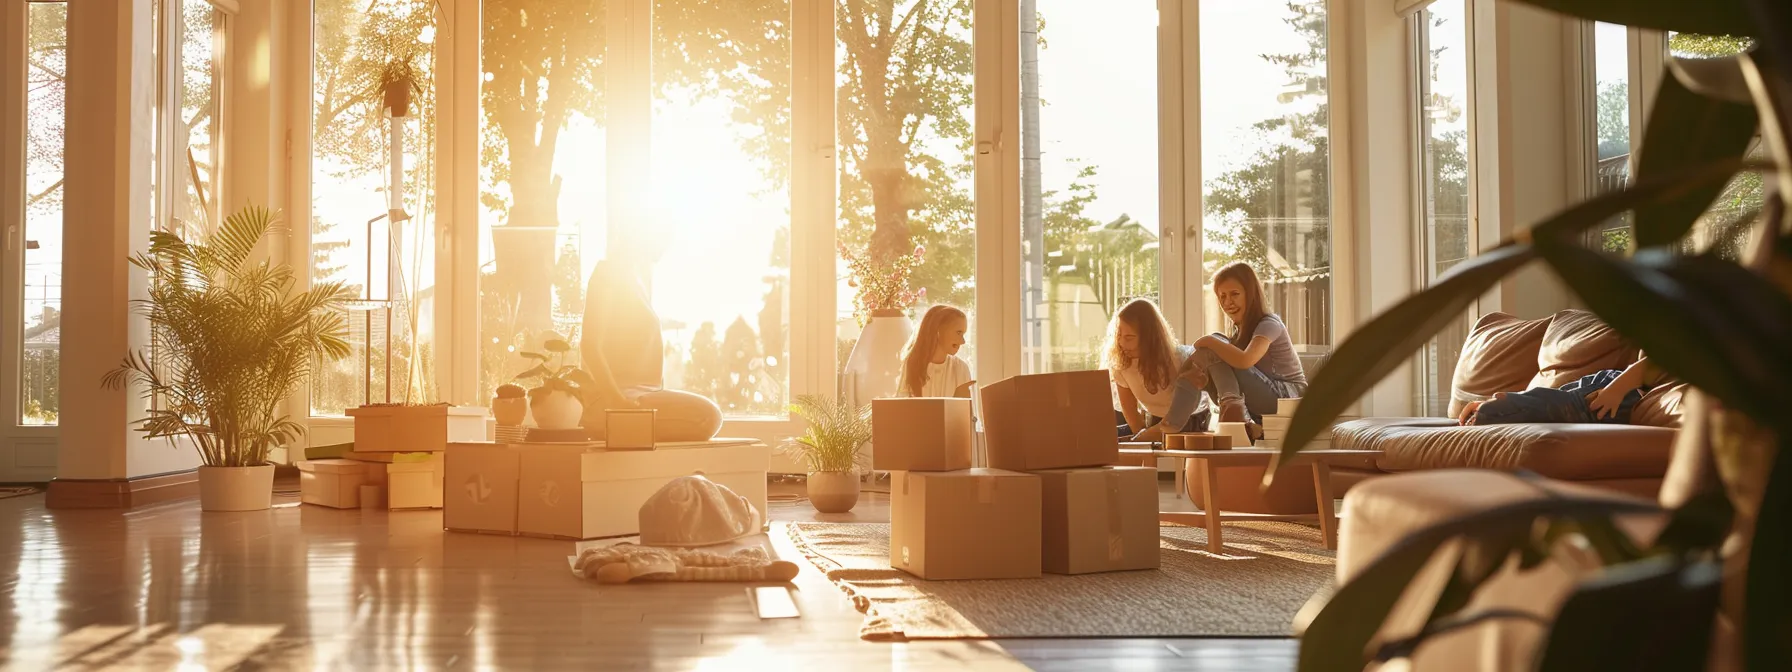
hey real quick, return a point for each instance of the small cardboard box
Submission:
(333, 483)
(1101, 519)
(1051, 421)
(413, 429)
(480, 486)
(411, 480)
(921, 434)
(589, 492)
(968, 524)
(629, 429)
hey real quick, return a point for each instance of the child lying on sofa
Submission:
(1607, 396)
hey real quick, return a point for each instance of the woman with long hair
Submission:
(931, 366)
(1143, 358)
(1248, 370)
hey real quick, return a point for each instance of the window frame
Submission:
(169, 178)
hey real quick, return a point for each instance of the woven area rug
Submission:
(1268, 572)
(9, 492)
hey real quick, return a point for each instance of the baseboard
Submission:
(121, 493)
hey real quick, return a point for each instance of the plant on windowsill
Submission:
(881, 301)
(832, 448)
(556, 399)
(233, 340)
(398, 83)
(1713, 586)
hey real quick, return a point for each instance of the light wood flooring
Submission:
(304, 587)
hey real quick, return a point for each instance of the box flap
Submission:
(332, 466)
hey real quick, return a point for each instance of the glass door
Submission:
(32, 261)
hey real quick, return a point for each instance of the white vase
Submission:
(833, 491)
(875, 365)
(236, 488)
(555, 409)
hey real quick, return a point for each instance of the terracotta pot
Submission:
(833, 491)
(236, 488)
(398, 97)
(556, 410)
(511, 411)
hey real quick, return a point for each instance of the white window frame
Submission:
(170, 173)
(813, 190)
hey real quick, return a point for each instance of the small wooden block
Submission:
(1197, 441)
(1173, 442)
(630, 429)
(1220, 442)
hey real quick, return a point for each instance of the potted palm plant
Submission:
(832, 448)
(233, 339)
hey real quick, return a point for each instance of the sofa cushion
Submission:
(1660, 406)
(1499, 356)
(1576, 344)
(1568, 452)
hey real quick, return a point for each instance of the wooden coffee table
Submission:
(1202, 465)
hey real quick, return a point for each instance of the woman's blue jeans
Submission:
(1251, 385)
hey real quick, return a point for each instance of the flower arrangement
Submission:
(881, 287)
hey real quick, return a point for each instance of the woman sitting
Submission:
(1245, 381)
(622, 350)
(931, 366)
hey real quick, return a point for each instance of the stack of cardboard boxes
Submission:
(1048, 501)
(396, 460)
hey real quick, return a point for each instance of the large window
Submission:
(194, 155)
(1440, 38)
(46, 52)
(373, 195)
(1266, 157)
(1611, 124)
(544, 170)
(1741, 199)
(1089, 175)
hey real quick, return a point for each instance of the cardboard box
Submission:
(333, 483)
(1101, 519)
(588, 492)
(968, 524)
(629, 429)
(480, 486)
(1051, 421)
(411, 429)
(411, 480)
(921, 434)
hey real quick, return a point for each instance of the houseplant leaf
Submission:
(1665, 604)
(534, 355)
(1376, 349)
(1767, 630)
(1681, 329)
(1688, 129)
(556, 345)
(1717, 17)
(1337, 637)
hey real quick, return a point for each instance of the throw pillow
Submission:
(1500, 355)
(1576, 344)
(1660, 406)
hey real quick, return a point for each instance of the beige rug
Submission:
(9, 492)
(1254, 590)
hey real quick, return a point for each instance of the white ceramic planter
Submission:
(833, 491)
(236, 488)
(875, 365)
(556, 410)
(510, 412)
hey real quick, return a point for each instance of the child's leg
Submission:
(1537, 405)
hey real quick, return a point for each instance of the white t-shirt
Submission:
(1156, 403)
(943, 379)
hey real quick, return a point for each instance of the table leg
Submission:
(1180, 467)
(1328, 516)
(1209, 507)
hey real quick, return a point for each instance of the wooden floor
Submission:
(167, 587)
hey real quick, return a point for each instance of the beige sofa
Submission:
(1502, 354)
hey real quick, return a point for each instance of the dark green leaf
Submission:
(1336, 639)
(1696, 334)
(1717, 17)
(1650, 615)
(1687, 129)
(1382, 345)
(1767, 631)
(538, 372)
(556, 345)
(534, 355)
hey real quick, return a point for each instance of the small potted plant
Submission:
(555, 400)
(510, 406)
(398, 82)
(233, 339)
(833, 449)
